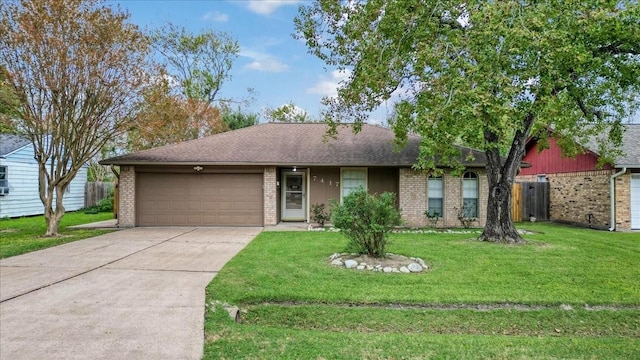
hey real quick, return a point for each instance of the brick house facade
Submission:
(581, 191)
(265, 174)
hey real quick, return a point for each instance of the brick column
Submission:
(270, 192)
(413, 197)
(127, 202)
(623, 202)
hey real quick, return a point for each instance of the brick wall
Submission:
(413, 198)
(127, 201)
(623, 202)
(270, 192)
(573, 196)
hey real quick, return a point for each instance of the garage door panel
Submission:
(199, 199)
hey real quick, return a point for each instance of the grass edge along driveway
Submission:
(23, 235)
(297, 306)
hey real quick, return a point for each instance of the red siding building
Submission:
(582, 193)
(551, 161)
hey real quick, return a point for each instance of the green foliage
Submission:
(487, 74)
(238, 119)
(287, 113)
(366, 220)
(432, 217)
(200, 62)
(319, 214)
(9, 105)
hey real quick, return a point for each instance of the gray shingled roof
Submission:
(10, 143)
(630, 147)
(287, 144)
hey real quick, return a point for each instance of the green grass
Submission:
(23, 235)
(297, 306)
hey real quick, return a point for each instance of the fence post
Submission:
(516, 202)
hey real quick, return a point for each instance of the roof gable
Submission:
(10, 143)
(301, 144)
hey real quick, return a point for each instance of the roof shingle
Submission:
(301, 144)
(10, 143)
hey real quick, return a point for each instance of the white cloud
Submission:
(263, 62)
(216, 16)
(329, 87)
(266, 7)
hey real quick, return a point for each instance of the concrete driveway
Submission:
(131, 294)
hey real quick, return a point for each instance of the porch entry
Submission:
(294, 196)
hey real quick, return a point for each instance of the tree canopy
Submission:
(77, 68)
(183, 102)
(489, 74)
(199, 63)
(287, 113)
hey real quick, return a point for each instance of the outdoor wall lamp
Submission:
(198, 168)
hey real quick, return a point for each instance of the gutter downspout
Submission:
(612, 194)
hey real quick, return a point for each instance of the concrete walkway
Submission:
(131, 294)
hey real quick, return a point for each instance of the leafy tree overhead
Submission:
(490, 74)
(287, 113)
(198, 63)
(77, 69)
(9, 105)
(166, 118)
(184, 103)
(238, 119)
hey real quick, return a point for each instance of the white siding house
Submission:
(19, 180)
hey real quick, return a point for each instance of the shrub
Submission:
(432, 217)
(366, 220)
(319, 214)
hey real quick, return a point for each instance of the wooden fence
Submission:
(530, 199)
(96, 191)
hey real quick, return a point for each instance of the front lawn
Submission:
(23, 235)
(570, 293)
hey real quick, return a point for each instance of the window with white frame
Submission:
(435, 191)
(4, 179)
(470, 195)
(352, 179)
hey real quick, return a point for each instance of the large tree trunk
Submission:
(499, 226)
(501, 174)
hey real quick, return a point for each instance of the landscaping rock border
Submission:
(392, 263)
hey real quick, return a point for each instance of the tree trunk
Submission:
(499, 226)
(501, 173)
(52, 214)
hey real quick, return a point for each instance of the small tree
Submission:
(319, 214)
(366, 220)
(77, 69)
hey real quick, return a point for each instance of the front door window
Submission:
(293, 196)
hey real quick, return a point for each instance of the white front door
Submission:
(294, 202)
(635, 201)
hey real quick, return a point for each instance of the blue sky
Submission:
(271, 60)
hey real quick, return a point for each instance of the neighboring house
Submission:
(19, 194)
(268, 173)
(583, 194)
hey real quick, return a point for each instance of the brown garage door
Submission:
(199, 199)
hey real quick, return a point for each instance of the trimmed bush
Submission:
(319, 214)
(366, 220)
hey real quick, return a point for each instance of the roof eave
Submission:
(628, 166)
